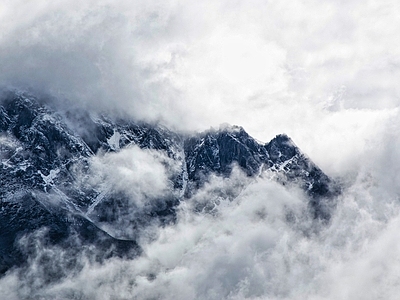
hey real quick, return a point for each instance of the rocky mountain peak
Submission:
(281, 148)
(41, 150)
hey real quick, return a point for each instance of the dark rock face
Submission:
(25, 214)
(216, 152)
(40, 153)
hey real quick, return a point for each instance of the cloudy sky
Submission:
(324, 72)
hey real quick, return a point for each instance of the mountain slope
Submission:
(45, 154)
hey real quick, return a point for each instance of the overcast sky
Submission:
(324, 72)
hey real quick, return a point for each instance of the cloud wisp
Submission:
(270, 67)
(245, 247)
(324, 73)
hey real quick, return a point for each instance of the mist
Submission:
(326, 68)
(244, 248)
(323, 73)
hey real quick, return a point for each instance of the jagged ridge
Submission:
(39, 153)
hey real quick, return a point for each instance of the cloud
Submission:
(324, 73)
(128, 185)
(202, 256)
(247, 246)
(139, 173)
(270, 67)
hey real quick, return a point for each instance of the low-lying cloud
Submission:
(139, 173)
(132, 182)
(262, 244)
(324, 73)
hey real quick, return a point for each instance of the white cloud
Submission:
(323, 72)
(134, 171)
(249, 248)
(270, 67)
(135, 182)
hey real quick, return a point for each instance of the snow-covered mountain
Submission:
(47, 171)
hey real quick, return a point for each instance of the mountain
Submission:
(46, 176)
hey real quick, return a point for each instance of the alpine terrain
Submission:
(55, 190)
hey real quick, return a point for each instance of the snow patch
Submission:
(48, 180)
(113, 141)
